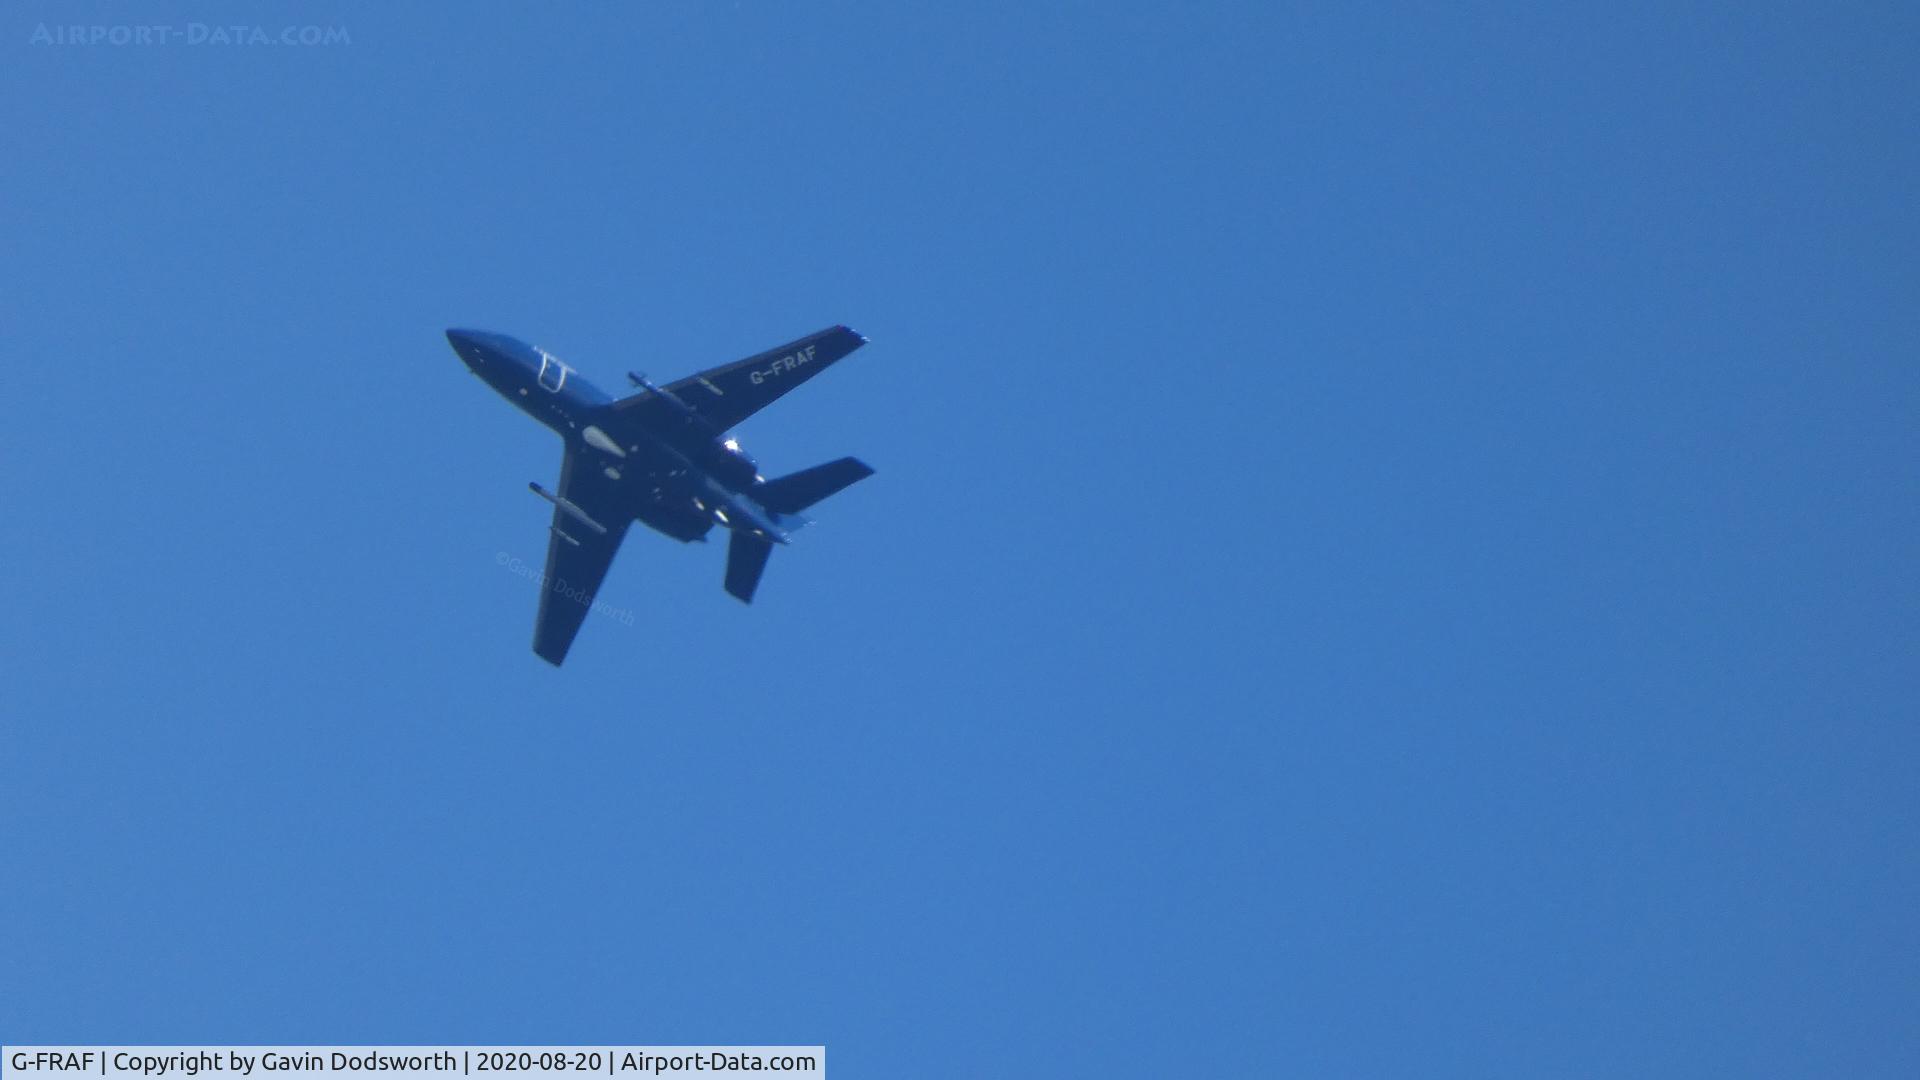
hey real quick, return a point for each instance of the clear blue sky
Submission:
(1393, 551)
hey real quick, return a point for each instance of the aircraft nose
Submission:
(470, 344)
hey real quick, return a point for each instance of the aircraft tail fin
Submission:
(795, 492)
(746, 561)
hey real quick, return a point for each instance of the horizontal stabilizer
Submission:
(746, 560)
(794, 493)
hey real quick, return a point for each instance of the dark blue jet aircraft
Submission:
(661, 456)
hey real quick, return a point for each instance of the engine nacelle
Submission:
(733, 467)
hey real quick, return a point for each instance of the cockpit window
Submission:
(553, 372)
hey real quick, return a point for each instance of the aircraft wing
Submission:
(732, 392)
(577, 566)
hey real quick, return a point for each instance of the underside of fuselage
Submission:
(678, 517)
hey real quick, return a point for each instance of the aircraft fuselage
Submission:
(683, 476)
